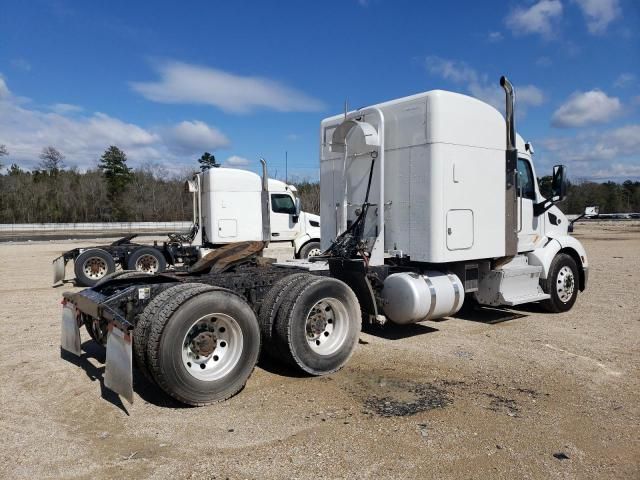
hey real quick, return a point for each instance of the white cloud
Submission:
(184, 83)
(236, 161)
(599, 14)
(480, 86)
(495, 37)
(4, 90)
(293, 137)
(586, 108)
(65, 108)
(195, 135)
(541, 18)
(624, 80)
(83, 137)
(598, 155)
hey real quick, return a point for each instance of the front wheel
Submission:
(311, 249)
(561, 284)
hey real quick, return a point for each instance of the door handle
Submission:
(275, 234)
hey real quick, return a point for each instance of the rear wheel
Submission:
(93, 265)
(271, 305)
(561, 284)
(147, 260)
(203, 345)
(318, 324)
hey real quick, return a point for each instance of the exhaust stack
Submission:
(266, 207)
(510, 108)
(511, 163)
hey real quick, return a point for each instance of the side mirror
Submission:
(559, 183)
(295, 218)
(298, 206)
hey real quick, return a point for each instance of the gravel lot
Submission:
(487, 394)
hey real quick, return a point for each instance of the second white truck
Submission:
(227, 208)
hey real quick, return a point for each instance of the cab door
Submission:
(285, 223)
(528, 224)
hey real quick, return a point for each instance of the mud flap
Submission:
(70, 334)
(118, 374)
(58, 269)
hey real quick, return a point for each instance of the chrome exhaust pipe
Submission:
(511, 175)
(266, 207)
(510, 95)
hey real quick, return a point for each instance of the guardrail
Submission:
(129, 227)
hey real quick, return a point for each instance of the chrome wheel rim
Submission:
(94, 268)
(565, 284)
(326, 326)
(147, 263)
(212, 347)
(314, 252)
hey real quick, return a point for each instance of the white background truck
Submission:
(425, 201)
(227, 209)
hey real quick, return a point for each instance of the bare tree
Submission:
(51, 160)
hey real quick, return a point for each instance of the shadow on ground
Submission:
(487, 315)
(148, 391)
(392, 331)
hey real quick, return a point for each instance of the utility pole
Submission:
(286, 167)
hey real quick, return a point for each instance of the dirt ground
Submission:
(486, 394)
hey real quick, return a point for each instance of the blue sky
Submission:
(167, 80)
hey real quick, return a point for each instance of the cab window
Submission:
(282, 203)
(525, 180)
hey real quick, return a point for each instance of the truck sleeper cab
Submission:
(425, 201)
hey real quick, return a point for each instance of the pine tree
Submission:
(207, 161)
(113, 164)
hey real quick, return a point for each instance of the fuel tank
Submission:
(410, 297)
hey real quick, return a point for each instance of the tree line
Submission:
(112, 191)
(610, 196)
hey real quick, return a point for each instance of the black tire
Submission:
(150, 313)
(165, 342)
(270, 306)
(93, 265)
(308, 248)
(562, 287)
(147, 260)
(302, 300)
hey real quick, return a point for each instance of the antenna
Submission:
(286, 167)
(346, 108)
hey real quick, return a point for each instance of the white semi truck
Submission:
(226, 209)
(425, 201)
